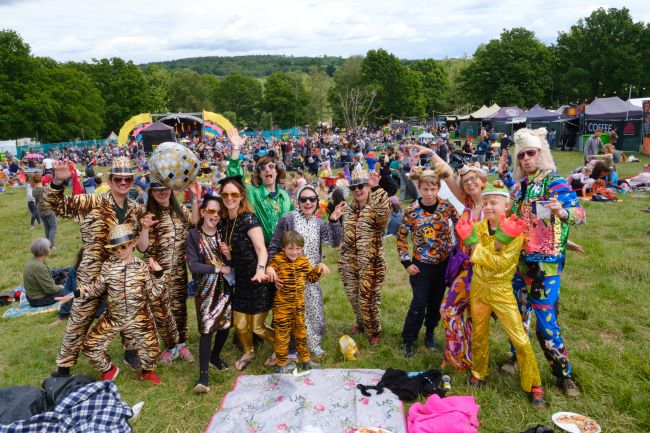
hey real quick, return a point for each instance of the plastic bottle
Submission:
(446, 383)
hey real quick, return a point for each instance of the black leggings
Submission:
(205, 354)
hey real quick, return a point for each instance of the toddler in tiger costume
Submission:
(291, 270)
(130, 287)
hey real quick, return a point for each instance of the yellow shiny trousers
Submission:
(500, 300)
(248, 324)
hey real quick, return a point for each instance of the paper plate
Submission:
(575, 423)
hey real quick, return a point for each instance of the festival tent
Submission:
(155, 134)
(506, 113)
(484, 111)
(611, 109)
(638, 101)
(112, 137)
(538, 113)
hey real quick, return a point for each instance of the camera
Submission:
(457, 160)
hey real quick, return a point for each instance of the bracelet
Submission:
(261, 267)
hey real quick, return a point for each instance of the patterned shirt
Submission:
(430, 233)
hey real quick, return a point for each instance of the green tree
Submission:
(191, 92)
(158, 84)
(285, 98)
(317, 85)
(602, 54)
(435, 84)
(241, 95)
(266, 121)
(232, 116)
(351, 100)
(512, 70)
(399, 89)
(123, 87)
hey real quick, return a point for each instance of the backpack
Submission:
(408, 385)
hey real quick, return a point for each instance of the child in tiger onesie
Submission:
(292, 270)
(130, 287)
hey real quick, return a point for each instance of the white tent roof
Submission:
(485, 111)
(637, 101)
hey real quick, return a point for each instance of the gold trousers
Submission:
(500, 300)
(248, 324)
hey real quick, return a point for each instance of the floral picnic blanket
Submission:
(324, 401)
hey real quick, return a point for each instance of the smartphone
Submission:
(541, 210)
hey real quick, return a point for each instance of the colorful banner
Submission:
(130, 124)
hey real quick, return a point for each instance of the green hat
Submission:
(496, 188)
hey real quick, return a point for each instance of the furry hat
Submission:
(526, 138)
(536, 139)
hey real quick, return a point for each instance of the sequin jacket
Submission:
(494, 268)
(544, 240)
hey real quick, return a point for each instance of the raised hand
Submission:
(338, 211)
(147, 221)
(373, 179)
(195, 190)
(61, 170)
(503, 161)
(234, 137)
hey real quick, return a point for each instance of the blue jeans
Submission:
(64, 310)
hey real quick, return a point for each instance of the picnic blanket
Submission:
(324, 401)
(24, 309)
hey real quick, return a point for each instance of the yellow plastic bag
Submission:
(348, 348)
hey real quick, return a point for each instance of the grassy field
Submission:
(605, 315)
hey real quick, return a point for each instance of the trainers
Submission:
(475, 381)
(430, 343)
(310, 365)
(150, 376)
(318, 352)
(219, 364)
(112, 373)
(407, 350)
(285, 369)
(510, 367)
(356, 329)
(374, 341)
(168, 356)
(201, 389)
(185, 354)
(569, 387)
(131, 359)
(537, 397)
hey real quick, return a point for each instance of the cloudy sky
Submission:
(145, 30)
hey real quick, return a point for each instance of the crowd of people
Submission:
(252, 228)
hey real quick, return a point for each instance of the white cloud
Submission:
(152, 30)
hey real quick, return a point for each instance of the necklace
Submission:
(232, 231)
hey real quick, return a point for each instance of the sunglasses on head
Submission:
(311, 198)
(211, 211)
(229, 195)
(269, 166)
(356, 187)
(118, 179)
(530, 153)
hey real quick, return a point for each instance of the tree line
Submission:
(605, 54)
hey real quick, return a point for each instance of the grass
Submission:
(605, 316)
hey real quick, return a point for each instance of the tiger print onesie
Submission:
(361, 262)
(289, 305)
(167, 240)
(130, 287)
(96, 216)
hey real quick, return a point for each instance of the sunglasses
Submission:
(211, 211)
(530, 153)
(312, 199)
(121, 247)
(269, 166)
(229, 195)
(472, 179)
(117, 179)
(356, 187)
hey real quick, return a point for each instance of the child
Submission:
(496, 244)
(426, 220)
(129, 287)
(292, 270)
